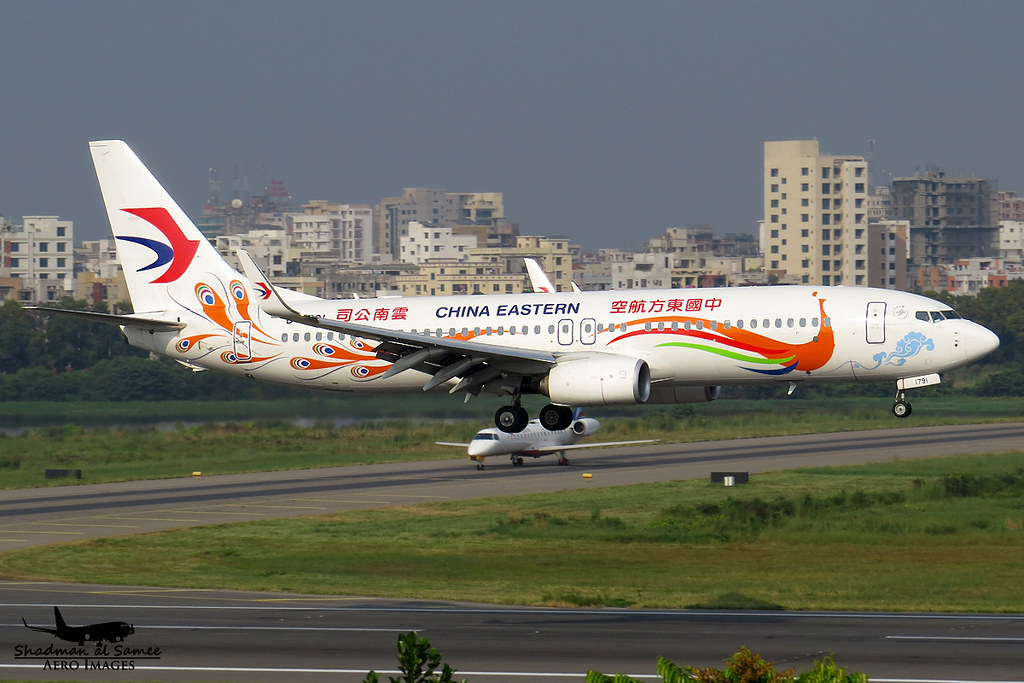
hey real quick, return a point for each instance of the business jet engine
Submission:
(598, 380)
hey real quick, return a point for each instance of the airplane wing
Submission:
(443, 358)
(51, 631)
(555, 449)
(132, 320)
(451, 443)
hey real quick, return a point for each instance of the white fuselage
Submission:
(688, 337)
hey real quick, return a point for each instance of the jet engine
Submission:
(599, 380)
(681, 394)
(585, 426)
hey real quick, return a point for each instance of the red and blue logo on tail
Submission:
(179, 252)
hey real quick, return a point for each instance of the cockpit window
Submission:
(937, 316)
(485, 437)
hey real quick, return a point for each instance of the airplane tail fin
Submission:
(58, 619)
(164, 256)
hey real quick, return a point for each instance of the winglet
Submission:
(270, 300)
(538, 278)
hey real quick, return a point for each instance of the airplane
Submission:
(578, 348)
(534, 441)
(112, 631)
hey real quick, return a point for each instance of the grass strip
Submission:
(924, 535)
(119, 454)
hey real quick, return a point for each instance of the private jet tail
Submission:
(166, 260)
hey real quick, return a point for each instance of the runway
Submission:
(224, 636)
(32, 517)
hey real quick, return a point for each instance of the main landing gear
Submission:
(514, 418)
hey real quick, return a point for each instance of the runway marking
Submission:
(287, 507)
(514, 675)
(12, 540)
(36, 531)
(223, 512)
(153, 519)
(983, 639)
(279, 628)
(347, 500)
(84, 523)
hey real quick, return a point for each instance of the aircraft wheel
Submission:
(563, 461)
(901, 409)
(555, 418)
(511, 419)
(479, 465)
(517, 461)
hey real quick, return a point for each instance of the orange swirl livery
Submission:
(739, 344)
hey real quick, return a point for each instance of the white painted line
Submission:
(515, 675)
(983, 639)
(273, 628)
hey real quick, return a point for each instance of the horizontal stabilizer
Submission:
(113, 318)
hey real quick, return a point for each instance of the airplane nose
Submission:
(979, 342)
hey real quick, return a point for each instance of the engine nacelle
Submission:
(585, 426)
(599, 381)
(680, 394)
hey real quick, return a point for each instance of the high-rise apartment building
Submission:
(815, 208)
(950, 218)
(392, 215)
(39, 254)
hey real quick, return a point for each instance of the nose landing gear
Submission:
(901, 408)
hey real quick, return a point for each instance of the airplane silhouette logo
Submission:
(178, 252)
(111, 631)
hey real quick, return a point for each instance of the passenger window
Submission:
(306, 336)
(814, 322)
(284, 337)
(753, 324)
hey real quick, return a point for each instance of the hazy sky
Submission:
(603, 121)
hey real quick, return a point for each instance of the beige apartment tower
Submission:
(815, 215)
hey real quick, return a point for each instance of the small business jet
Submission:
(577, 348)
(534, 441)
(112, 631)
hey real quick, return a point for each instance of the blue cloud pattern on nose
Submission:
(908, 347)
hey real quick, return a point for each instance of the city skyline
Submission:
(602, 122)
